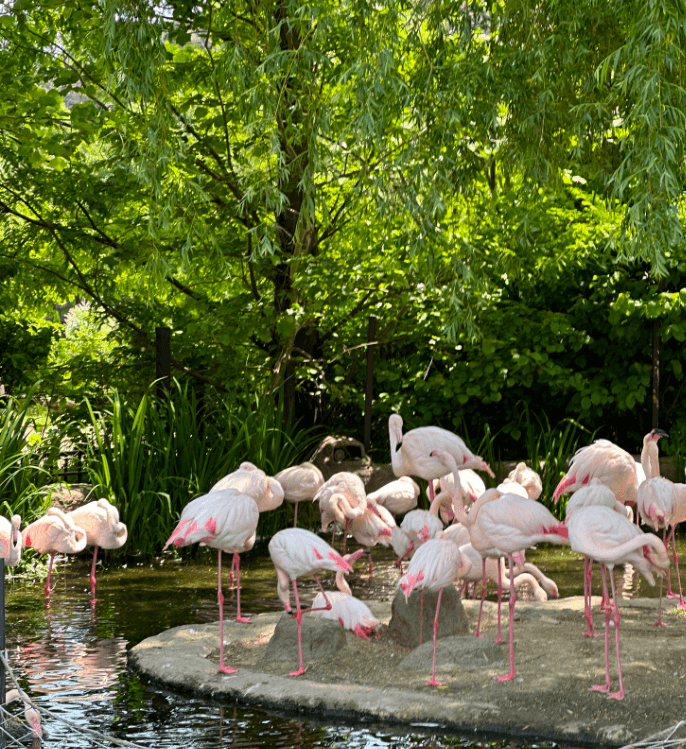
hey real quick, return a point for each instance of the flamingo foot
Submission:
(682, 605)
(499, 640)
(299, 672)
(659, 623)
(478, 636)
(434, 683)
(671, 594)
(619, 695)
(507, 677)
(226, 670)
(244, 620)
(601, 688)
(590, 633)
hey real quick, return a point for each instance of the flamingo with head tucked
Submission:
(10, 540)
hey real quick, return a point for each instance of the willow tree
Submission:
(268, 171)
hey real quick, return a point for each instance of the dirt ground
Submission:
(379, 680)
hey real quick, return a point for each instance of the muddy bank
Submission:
(380, 681)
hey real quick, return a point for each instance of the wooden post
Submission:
(369, 392)
(162, 359)
(656, 374)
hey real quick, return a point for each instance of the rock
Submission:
(463, 653)
(320, 638)
(404, 623)
(337, 453)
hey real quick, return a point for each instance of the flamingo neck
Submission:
(650, 458)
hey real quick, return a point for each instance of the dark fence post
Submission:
(656, 374)
(162, 359)
(369, 391)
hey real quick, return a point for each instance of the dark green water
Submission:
(70, 656)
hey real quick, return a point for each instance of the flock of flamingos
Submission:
(484, 526)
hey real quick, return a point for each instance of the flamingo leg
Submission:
(619, 694)
(588, 613)
(47, 584)
(682, 604)
(295, 515)
(608, 614)
(240, 619)
(433, 682)
(299, 617)
(513, 600)
(220, 598)
(499, 638)
(659, 622)
(369, 571)
(483, 596)
(421, 615)
(92, 578)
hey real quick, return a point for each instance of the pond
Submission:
(70, 655)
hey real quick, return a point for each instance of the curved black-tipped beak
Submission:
(661, 432)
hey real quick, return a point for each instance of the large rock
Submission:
(320, 638)
(404, 623)
(337, 453)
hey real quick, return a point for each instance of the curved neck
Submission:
(395, 436)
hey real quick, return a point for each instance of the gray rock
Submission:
(404, 623)
(320, 638)
(456, 653)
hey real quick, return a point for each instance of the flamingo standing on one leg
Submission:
(54, 533)
(253, 481)
(434, 566)
(300, 483)
(103, 528)
(506, 524)
(411, 452)
(398, 497)
(296, 552)
(606, 536)
(226, 521)
(10, 540)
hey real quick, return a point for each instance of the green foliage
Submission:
(151, 456)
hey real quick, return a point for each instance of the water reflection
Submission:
(70, 656)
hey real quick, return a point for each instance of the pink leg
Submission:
(47, 584)
(619, 694)
(95, 556)
(483, 596)
(513, 600)
(499, 638)
(299, 618)
(421, 615)
(682, 604)
(240, 619)
(345, 537)
(220, 598)
(295, 515)
(433, 682)
(608, 614)
(659, 622)
(588, 575)
(430, 488)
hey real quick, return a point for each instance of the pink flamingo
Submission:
(607, 462)
(296, 552)
(253, 481)
(373, 527)
(300, 483)
(54, 533)
(610, 538)
(350, 612)
(506, 524)
(411, 452)
(30, 713)
(10, 540)
(342, 499)
(103, 528)
(398, 497)
(434, 566)
(417, 527)
(225, 520)
(522, 478)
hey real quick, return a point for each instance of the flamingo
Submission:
(300, 483)
(103, 529)
(54, 533)
(524, 481)
(607, 462)
(505, 524)
(225, 520)
(417, 527)
(296, 552)
(349, 611)
(411, 452)
(10, 540)
(434, 566)
(468, 489)
(373, 527)
(30, 713)
(342, 499)
(610, 538)
(398, 497)
(593, 494)
(253, 481)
